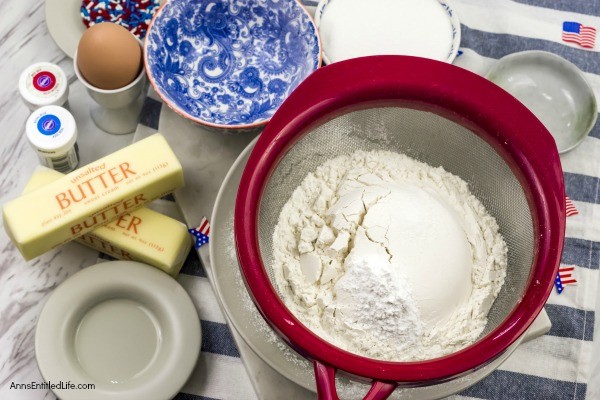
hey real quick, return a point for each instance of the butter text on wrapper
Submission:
(87, 188)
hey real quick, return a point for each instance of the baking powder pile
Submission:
(388, 257)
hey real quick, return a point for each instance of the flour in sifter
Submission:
(388, 257)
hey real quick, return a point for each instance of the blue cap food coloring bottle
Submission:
(52, 133)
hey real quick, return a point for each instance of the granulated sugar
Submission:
(388, 257)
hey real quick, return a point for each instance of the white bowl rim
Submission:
(454, 21)
(577, 73)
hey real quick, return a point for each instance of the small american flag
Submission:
(564, 277)
(574, 32)
(201, 233)
(571, 210)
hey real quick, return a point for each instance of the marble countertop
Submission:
(25, 286)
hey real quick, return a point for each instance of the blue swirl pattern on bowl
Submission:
(230, 62)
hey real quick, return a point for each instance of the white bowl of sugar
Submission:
(357, 28)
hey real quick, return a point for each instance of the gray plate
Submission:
(65, 24)
(258, 335)
(553, 89)
(125, 327)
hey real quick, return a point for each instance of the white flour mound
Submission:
(388, 257)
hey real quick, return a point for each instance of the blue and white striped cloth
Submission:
(555, 366)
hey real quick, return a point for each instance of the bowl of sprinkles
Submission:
(134, 15)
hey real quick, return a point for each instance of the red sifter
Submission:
(436, 113)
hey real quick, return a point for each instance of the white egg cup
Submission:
(117, 111)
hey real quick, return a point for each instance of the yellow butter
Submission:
(92, 196)
(143, 235)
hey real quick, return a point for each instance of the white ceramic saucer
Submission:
(125, 327)
(554, 89)
(65, 24)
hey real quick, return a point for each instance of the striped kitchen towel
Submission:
(563, 364)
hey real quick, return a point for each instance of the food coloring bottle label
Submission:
(62, 163)
(48, 124)
(44, 81)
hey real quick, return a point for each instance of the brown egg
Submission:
(109, 56)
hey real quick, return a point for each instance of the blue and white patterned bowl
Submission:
(230, 63)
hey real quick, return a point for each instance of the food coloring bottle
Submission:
(44, 84)
(52, 133)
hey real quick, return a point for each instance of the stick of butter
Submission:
(92, 196)
(143, 235)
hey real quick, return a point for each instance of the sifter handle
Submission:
(325, 377)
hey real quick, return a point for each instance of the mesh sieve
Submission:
(426, 137)
(423, 109)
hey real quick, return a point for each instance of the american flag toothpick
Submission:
(201, 233)
(574, 32)
(564, 277)
(570, 207)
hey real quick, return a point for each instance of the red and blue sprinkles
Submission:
(134, 15)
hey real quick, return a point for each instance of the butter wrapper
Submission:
(92, 196)
(143, 235)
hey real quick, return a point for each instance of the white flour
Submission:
(388, 257)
